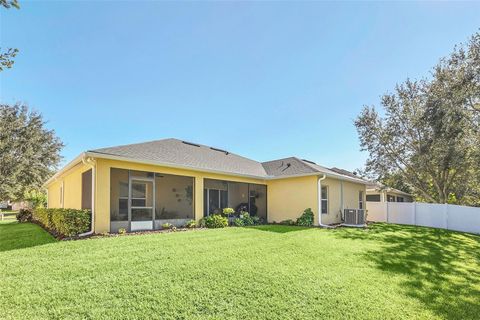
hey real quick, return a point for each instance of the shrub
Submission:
(24, 215)
(247, 220)
(256, 220)
(214, 221)
(288, 222)
(191, 224)
(238, 222)
(167, 225)
(122, 231)
(306, 219)
(228, 212)
(65, 222)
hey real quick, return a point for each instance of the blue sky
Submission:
(261, 79)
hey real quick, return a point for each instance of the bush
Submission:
(214, 221)
(306, 219)
(167, 225)
(64, 222)
(228, 212)
(247, 220)
(122, 231)
(238, 222)
(24, 215)
(256, 220)
(191, 224)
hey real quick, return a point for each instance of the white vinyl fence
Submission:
(445, 216)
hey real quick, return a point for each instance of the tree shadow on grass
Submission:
(277, 228)
(441, 267)
(14, 235)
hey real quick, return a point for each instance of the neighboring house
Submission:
(377, 192)
(141, 186)
(14, 206)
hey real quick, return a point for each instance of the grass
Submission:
(267, 272)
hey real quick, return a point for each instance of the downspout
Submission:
(319, 186)
(91, 162)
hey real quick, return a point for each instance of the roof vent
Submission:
(308, 161)
(219, 150)
(191, 143)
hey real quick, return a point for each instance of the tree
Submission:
(29, 152)
(430, 131)
(6, 58)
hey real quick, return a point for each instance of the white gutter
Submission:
(91, 162)
(319, 186)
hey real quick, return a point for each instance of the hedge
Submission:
(63, 222)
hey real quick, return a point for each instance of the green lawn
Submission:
(267, 272)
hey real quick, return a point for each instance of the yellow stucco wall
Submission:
(287, 198)
(72, 188)
(53, 199)
(102, 200)
(350, 198)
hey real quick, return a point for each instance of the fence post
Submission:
(446, 215)
(388, 216)
(415, 213)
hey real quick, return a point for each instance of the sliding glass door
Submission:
(220, 194)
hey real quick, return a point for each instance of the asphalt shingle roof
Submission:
(197, 156)
(178, 152)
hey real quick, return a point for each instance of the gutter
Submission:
(92, 163)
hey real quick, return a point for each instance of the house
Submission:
(141, 186)
(377, 192)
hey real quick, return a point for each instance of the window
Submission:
(400, 199)
(217, 200)
(87, 190)
(360, 200)
(390, 198)
(324, 200)
(373, 197)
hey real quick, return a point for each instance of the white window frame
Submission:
(361, 203)
(324, 199)
(144, 181)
